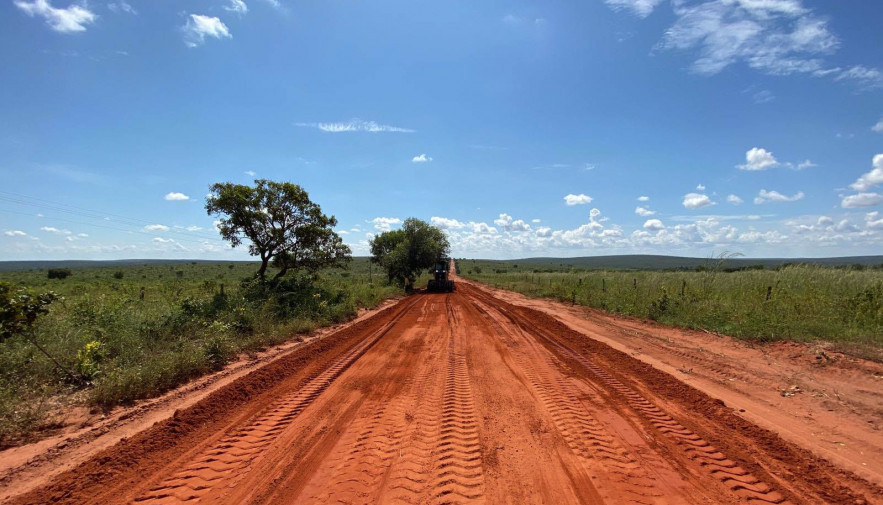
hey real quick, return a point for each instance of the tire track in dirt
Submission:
(617, 474)
(696, 449)
(229, 457)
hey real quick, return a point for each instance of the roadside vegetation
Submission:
(137, 331)
(102, 337)
(841, 305)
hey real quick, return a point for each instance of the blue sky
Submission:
(522, 128)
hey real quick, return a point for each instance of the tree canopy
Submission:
(404, 253)
(282, 224)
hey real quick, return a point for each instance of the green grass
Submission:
(806, 303)
(133, 347)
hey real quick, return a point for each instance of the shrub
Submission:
(59, 273)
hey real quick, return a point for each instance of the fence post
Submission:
(769, 292)
(604, 285)
(683, 288)
(634, 283)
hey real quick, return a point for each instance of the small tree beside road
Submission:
(281, 223)
(406, 252)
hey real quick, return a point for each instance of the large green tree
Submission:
(406, 252)
(281, 223)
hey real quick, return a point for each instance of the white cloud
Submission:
(355, 125)
(777, 37)
(700, 188)
(198, 27)
(763, 96)
(861, 200)
(237, 6)
(735, 200)
(68, 20)
(536, 221)
(579, 199)
(696, 201)
(423, 158)
(874, 221)
(644, 212)
(176, 197)
(82, 235)
(774, 196)
(653, 225)
(758, 158)
(156, 227)
(250, 173)
(506, 222)
(15, 233)
(824, 221)
(641, 8)
(446, 223)
(163, 240)
(51, 229)
(867, 77)
(878, 127)
(121, 6)
(805, 164)
(643, 198)
(870, 179)
(385, 223)
(193, 228)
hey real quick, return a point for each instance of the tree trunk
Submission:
(263, 270)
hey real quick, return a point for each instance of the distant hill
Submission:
(9, 266)
(659, 262)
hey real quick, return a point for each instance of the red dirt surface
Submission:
(469, 398)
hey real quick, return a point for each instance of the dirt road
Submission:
(458, 398)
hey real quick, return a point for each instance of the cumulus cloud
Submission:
(874, 221)
(644, 212)
(870, 179)
(507, 223)
(643, 198)
(156, 227)
(579, 199)
(198, 27)
(735, 200)
(423, 158)
(805, 164)
(774, 196)
(861, 200)
(878, 127)
(385, 223)
(176, 197)
(73, 18)
(700, 188)
(356, 125)
(653, 225)
(696, 201)
(52, 229)
(758, 158)
(446, 223)
(237, 6)
(15, 233)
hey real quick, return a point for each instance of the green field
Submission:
(137, 330)
(841, 305)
